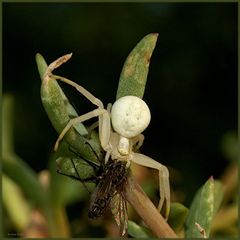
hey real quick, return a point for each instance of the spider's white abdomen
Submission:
(130, 116)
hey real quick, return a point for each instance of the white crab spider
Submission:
(129, 117)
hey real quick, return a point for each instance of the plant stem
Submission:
(147, 211)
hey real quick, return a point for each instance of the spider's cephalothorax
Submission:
(120, 129)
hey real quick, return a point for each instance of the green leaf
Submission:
(64, 164)
(203, 208)
(83, 169)
(17, 206)
(177, 216)
(41, 65)
(69, 163)
(136, 231)
(60, 111)
(133, 77)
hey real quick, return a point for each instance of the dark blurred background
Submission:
(192, 81)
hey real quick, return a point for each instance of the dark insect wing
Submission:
(110, 178)
(111, 184)
(101, 197)
(119, 211)
(123, 216)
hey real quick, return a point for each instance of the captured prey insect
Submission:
(110, 179)
(119, 127)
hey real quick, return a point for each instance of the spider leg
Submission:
(91, 163)
(164, 186)
(108, 148)
(82, 90)
(56, 64)
(90, 179)
(107, 156)
(79, 88)
(104, 115)
(137, 141)
(78, 178)
(91, 128)
(95, 113)
(104, 118)
(109, 107)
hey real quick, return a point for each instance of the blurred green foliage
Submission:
(191, 91)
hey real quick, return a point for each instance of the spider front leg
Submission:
(104, 116)
(55, 64)
(95, 113)
(164, 186)
(137, 141)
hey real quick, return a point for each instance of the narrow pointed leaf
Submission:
(203, 208)
(41, 65)
(133, 77)
(60, 111)
(17, 206)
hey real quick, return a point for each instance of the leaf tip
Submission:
(211, 178)
(39, 58)
(155, 34)
(41, 64)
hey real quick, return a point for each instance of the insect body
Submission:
(110, 181)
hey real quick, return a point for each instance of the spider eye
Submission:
(130, 116)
